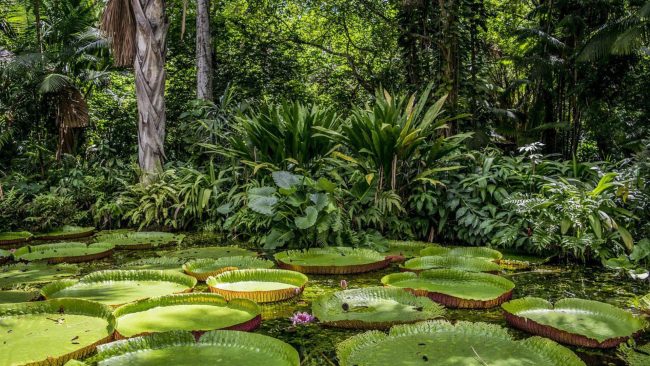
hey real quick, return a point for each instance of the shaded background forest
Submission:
(566, 80)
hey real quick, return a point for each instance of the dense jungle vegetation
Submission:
(521, 125)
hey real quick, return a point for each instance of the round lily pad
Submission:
(444, 344)
(5, 256)
(120, 287)
(332, 260)
(67, 232)
(454, 288)
(208, 252)
(15, 296)
(52, 332)
(15, 237)
(156, 263)
(64, 252)
(217, 347)
(577, 322)
(374, 308)
(142, 239)
(203, 268)
(476, 252)
(259, 285)
(22, 273)
(469, 264)
(406, 248)
(197, 312)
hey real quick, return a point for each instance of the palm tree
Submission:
(623, 36)
(203, 51)
(138, 31)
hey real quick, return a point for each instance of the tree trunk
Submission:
(203, 51)
(149, 68)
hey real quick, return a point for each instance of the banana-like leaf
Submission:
(197, 312)
(438, 342)
(573, 321)
(67, 232)
(227, 346)
(470, 264)
(455, 288)
(64, 252)
(52, 332)
(203, 268)
(332, 260)
(259, 285)
(374, 308)
(117, 287)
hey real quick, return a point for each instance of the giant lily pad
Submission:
(476, 252)
(64, 252)
(21, 273)
(197, 312)
(52, 332)
(156, 263)
(67, 232)
(374, 308)
(578, 322)
(121, 287)
(5, 256)
(142, 239)
(16, 237)
(332, 260)
(209, 252)
(201, 269)
(454, 288)
(469, 264)
(406, 248)
(218, 347)
(259, 285)
(444, 344)
(15, 296)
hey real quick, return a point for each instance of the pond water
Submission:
(316, 344)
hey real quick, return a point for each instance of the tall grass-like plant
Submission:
(277, 135)
(391, 133)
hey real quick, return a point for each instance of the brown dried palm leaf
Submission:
(118, 24)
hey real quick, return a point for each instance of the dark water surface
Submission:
(316, 344)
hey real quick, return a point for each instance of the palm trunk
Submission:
(203, 51)
(149, 67)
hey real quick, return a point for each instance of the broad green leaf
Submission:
(626, 236)
(263, 205)
(307, 221)
(284, 179)
(277, 238)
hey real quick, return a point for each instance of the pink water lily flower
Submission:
(344, 284)
(301, 318)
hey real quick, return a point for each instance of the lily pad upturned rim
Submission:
(197, 298)
(469, 264)
(122, 275)
(323, 306)
(376, 261)
(106, 251)
(554, 352)
(18, 296)
(67, 232)
(404, 247)
(271, 275)
(21, 237)
(513, 308)
(454, 301)
(197, 267)
(141, 241)
(247, 342)
(175, 264)
(477, 252)
(5, 256)
(70, 306)
(66, 270)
